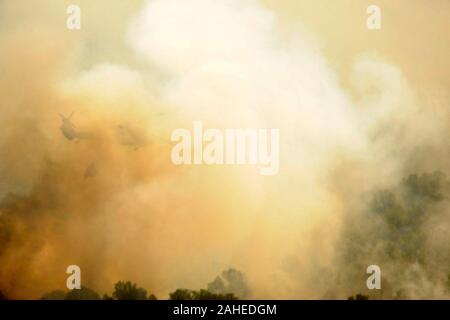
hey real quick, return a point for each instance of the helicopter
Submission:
(130, 137)
(68, 129)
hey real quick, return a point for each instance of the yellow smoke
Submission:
(350, 121)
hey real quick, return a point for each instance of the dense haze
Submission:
(364, 127)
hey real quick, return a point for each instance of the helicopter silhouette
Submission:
(69, 131)
(125, 135)
(131, 137)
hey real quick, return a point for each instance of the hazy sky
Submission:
(357, 110)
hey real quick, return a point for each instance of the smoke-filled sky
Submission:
(360, 112)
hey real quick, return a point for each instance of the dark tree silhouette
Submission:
(202, 294)
(217, 285)
(207, 295)
(54, 295)
(181, 294)
(129, 291)
(358, 297)
(232, 281)
(82, 294)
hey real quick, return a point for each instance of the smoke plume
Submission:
(363, 154)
